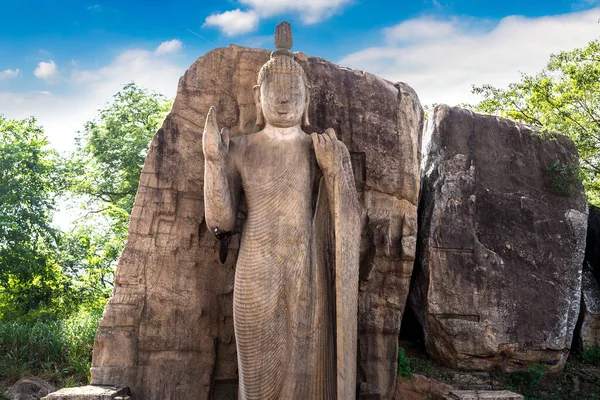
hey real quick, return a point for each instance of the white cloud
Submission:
(146, 68)
(84, 76)
(170, 46)
(236, 22)
(422, 29)
(310, 11)
(9, 73)
(46, 71)
(26, 99)
(78, 99)
(233, 22)
(442, 59)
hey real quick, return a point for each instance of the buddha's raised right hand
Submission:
(214, 144)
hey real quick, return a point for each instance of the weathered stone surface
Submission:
(167, 332)
(472, 381)
(589, 317)
(592, 246)
(420, 387)
(28, 389)
(499, 274)
(483, 395)
(91, 392)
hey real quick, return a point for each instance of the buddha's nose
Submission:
(284, 98)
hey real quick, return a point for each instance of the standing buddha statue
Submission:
(296, 279)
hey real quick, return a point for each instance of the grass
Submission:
(56, 351)
(590, 354)
(579, 380)
(564, 178)
(525, 382)
(404, 365)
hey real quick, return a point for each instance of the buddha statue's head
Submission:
(281, 93)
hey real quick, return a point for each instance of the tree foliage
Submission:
(563, 98)
(30, 178)
(44, 271)
(111, 150)
(104, 173)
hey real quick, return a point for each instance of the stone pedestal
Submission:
(92, 392)
(483, 395)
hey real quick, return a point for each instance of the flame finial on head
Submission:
(283, 39)
(282, 60)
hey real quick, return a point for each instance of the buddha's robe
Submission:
(284, 305)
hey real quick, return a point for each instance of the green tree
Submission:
(87, 255)
(565, 98)
(30, 177)
(111, 150)
(105, 172)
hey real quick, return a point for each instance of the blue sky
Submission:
(62, 60)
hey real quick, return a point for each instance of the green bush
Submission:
(525, 382)
(590, 354)
(58, 351)
(404, 367)
(564, 178)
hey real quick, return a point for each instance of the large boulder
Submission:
(420, 387)
(167, 332)
(501, 243)
(28, 389)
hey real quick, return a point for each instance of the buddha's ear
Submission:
(305, 120)
(260, 119)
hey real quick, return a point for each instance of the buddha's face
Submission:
(283, 99)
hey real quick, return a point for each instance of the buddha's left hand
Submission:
(327, 152)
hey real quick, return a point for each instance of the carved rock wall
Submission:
(498, 278)
(167, 332)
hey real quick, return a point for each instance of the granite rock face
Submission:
(501, 245)
(167, 332)
(589, 319)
